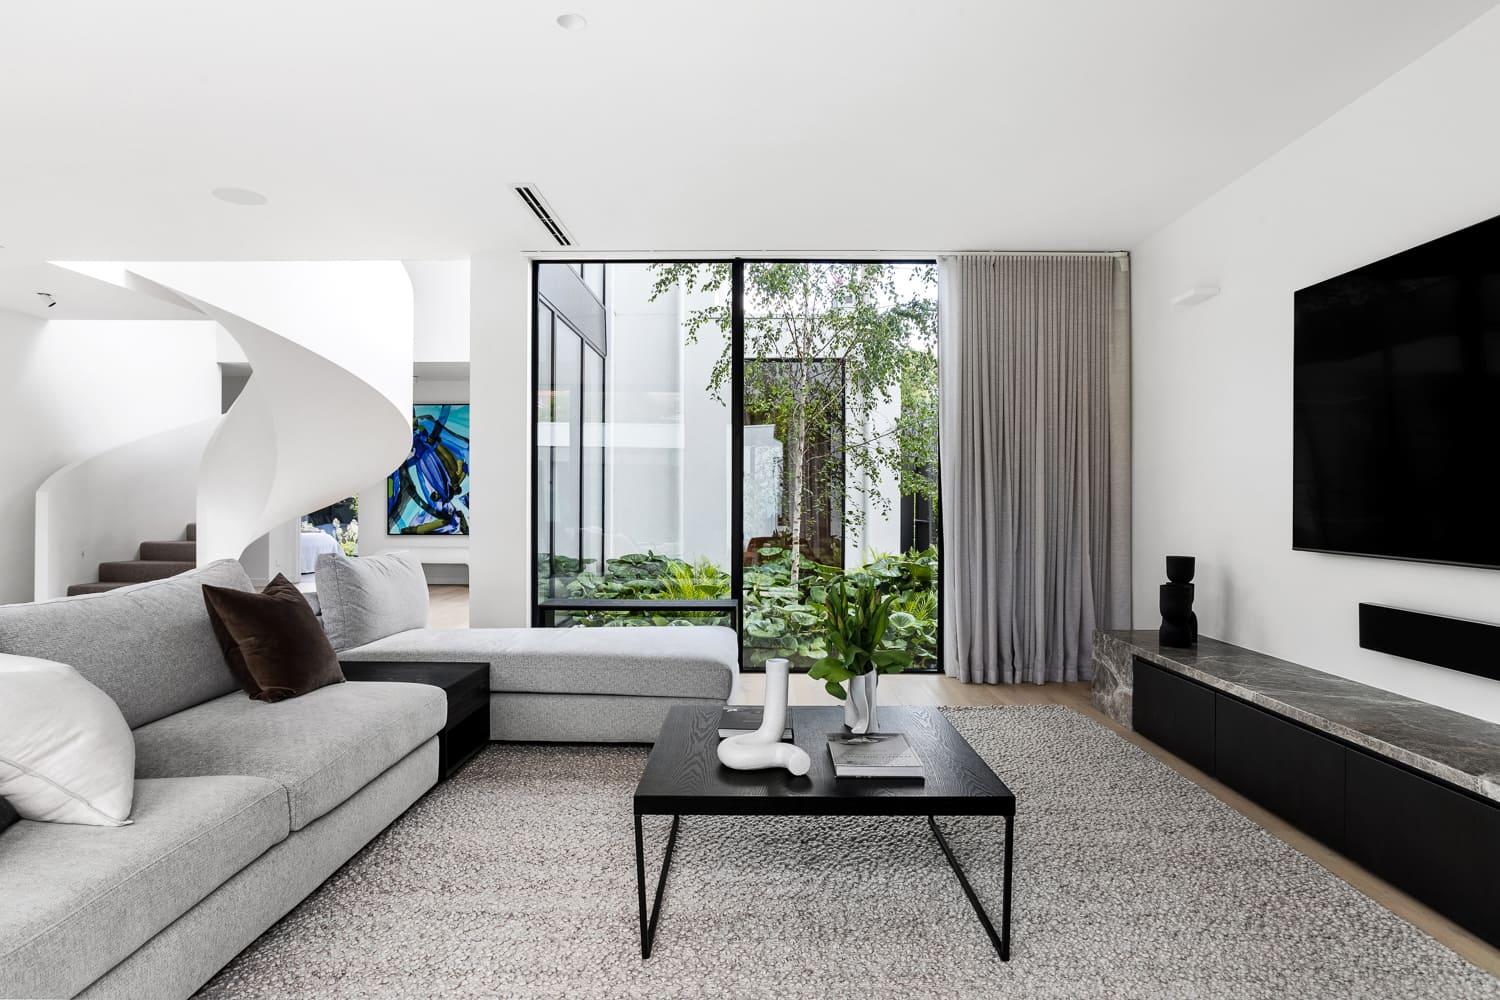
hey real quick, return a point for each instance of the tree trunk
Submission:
(796, 448)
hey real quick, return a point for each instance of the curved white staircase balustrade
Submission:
(101, 507)
(327, 408)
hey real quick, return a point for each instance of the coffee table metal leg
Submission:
(648, 920)
(1001, 941)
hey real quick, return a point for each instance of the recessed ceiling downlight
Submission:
(572, 22)
(239, 196)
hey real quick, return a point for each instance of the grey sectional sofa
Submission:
(241, 808)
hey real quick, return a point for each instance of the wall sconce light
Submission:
(1195, 295)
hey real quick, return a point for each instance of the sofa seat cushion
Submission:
(322, 747)
(654, 661)
(80, 899)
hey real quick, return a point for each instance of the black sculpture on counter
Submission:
(1179, 625)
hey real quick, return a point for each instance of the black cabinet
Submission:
(1434, 842)
(1175, 713)
(1290, 770)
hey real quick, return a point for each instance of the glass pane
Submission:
(567, 456)
(593, 277)
(840, 426)
(544, 430)
(593, 459)
(654, 485)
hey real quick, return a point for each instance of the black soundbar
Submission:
(1455, 643)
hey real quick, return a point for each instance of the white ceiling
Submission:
(382, 129)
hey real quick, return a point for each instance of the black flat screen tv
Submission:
(1396, 405)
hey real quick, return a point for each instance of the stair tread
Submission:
(141, 570)
(174, 550)
(93, 588)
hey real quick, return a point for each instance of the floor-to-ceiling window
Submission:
(718, 441)
(632, 451)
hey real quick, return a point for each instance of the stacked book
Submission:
(874, 755)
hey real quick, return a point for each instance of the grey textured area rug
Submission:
(517, 878)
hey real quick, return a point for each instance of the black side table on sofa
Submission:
(468, 688)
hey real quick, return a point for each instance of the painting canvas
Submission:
(429, 494)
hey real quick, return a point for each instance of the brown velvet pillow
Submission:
(272, 641)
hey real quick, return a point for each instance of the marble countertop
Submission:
(1457, 748)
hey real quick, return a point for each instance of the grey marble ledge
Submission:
(1457, 748)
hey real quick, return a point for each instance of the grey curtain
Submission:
(1034, 407)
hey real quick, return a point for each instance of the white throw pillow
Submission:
(66, 754)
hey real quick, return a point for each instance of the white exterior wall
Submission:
(1411, 160)
(667, 477)
(878, 531)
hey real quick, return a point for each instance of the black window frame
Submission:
(544, 608)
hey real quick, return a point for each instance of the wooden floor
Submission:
(450, 609)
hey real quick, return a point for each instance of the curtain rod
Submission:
(1035, 253)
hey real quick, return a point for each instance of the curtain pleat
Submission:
(1034, 439)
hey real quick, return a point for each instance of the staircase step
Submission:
(141, 570)
(93, 588)
(170, 551)
(192, 532)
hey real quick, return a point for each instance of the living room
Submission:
(765, 500)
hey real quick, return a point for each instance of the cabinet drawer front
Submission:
(1293, 772)
(1174, 713)
(1432, 841)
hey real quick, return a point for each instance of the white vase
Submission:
(763, 748)
(859, 707)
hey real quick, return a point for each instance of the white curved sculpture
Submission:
(763, 748)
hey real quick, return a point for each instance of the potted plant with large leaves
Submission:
(861, 645)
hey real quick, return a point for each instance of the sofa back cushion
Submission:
(150, 646)
(370, 597)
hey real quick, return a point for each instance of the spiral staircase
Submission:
(326, 411)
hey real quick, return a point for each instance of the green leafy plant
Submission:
(859, 634)
(783, 617)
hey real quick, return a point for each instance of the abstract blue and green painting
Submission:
(429, 494)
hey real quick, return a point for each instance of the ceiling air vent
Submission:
(540, 209)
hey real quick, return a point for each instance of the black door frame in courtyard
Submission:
(545, 607)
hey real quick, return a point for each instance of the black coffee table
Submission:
(684, 778)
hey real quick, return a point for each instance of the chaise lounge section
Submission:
(580, 685)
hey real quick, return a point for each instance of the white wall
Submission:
(70, 388)
(440, 300)
(500, 565)
(1413, 159)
